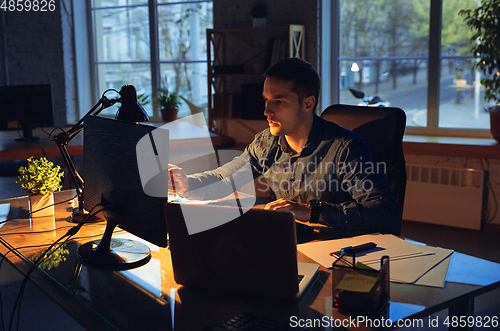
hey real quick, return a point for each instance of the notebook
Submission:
(254, 254)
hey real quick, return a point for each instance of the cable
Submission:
(41, 147)
(71, 232)
(32, 212)
(488, 218)
(1, 299)
(51, 132)
(43, 130)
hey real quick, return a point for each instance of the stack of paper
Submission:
(409, 263)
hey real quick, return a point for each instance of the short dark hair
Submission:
(305, 78)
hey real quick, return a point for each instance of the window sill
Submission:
(451, 146)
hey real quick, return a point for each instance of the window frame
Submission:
(154, 61)
(331, 69)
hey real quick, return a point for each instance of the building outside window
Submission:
(387, 48)
(413, 54)
(152, 44)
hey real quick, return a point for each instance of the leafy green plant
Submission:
(40, 177)
(485, 23)
(143, 99)
(56, 255)
(167, 100)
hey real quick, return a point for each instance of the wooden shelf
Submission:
(248, 52)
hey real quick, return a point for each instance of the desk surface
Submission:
(187, 136)
(10, 149)
(145, 298)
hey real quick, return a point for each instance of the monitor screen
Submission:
(111, 174)
(25, 107)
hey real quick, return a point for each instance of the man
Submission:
(316, 169)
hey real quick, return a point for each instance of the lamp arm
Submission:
(104, 103)
(75, 176)
(62, 139)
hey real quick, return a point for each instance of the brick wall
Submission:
(35, 54)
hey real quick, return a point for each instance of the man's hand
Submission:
(299, 210)
(178, 182)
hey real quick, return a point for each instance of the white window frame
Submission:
(331, 70)
(154, 61)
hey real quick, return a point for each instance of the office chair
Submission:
(382, 128)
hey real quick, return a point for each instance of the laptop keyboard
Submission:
(300, 278)
(251, 322)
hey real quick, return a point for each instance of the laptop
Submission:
(254, 254)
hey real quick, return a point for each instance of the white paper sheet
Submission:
(408, 262)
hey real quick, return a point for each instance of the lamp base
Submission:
(122, 254)
(79, 217)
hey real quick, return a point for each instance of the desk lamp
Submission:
(130, 110)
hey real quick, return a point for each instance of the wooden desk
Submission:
(187, 137)
(10, 149)
(145, 298)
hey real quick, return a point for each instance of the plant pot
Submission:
(494, 111)
(38, 202)
(168, 115)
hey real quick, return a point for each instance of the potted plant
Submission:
(143, 99)
(169, 104)
(40, 179)
(485, 22)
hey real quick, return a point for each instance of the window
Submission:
(152, 44)
(395, 49)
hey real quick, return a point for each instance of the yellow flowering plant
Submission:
(40, 177)
(54, 257)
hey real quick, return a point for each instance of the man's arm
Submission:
(361, 202)
(220, 182)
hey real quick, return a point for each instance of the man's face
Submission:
(283, 110)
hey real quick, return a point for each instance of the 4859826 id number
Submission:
(28, 5)
(471, 321)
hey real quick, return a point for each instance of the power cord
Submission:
(51, 132)
(46, 254)
(1, 299)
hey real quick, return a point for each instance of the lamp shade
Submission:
(130, 110)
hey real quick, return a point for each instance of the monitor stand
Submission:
(114, 254)
(28, 134)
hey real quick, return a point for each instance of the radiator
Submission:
(446, 196)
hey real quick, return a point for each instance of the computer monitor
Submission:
(112, 176)
(25, 107)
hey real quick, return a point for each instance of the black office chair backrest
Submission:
(382, 128)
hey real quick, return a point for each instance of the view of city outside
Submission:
(123, 54)
(384, 48)
(182, 37)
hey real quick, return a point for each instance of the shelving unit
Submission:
(236, 60)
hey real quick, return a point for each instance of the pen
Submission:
(357, 249)
(172, 178)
